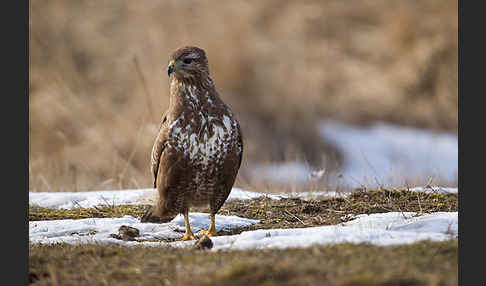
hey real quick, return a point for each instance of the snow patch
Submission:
(392, 155)
(70, 200)
(435, 189)
(286, 172)
(95, 230)
(379, 155)
(379, 229)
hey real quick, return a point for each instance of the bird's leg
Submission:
(188, 235)
(212, 228)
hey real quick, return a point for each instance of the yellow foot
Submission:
(209, 232)
(188, 236)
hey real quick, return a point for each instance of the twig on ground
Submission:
(295, 217)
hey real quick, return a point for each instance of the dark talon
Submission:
(149, 216)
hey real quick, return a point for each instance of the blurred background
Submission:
(330, 94)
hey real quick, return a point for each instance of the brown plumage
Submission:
(197, 153)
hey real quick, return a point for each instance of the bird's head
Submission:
(188, 63)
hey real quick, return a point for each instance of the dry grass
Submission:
(424, 263)
(98, 82)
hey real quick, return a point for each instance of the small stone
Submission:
(128, 230)
(203, 243)
(126, 233)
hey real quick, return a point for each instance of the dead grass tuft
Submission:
(423, 263)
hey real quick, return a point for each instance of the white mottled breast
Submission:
(204, 138)
(206, 143)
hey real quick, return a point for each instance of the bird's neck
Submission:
(192, 94)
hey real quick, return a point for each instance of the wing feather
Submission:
(157, 149)
(240, 143)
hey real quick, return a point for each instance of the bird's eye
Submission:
(187, 61)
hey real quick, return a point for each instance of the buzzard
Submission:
(197, 153)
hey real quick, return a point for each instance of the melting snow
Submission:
(70, 200)
(434, 189)
(391, 155)
(380, 229)
(281, 172)
(381, 154)
(93, 230)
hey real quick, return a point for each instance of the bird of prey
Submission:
(197, 153)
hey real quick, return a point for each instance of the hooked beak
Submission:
(171, 67)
